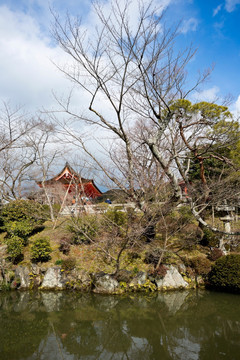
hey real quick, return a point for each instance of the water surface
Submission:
(178, 325)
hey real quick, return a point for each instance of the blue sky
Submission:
(28, 76)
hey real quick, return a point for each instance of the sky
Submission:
(29, 78)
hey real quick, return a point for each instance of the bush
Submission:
(58, 262)
(185, 215)
(68, 264)
(21, 229)
(40, 250)
(15, 248)
(209, 238)
(64, 245)
(200, 265)
(115, 220)
(215, 254)
(22, 218)
(225, 274)
(84, 229)
(160, 272)
(20, 210)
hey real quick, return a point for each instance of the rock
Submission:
(140, 279)
(105, 284)
(35, 269)
(84, 278)
(43, 269)
(172, 280)
(78, 280)
(52, 301)
(182, 268)
(173, 300)
(53, 279)
(23, 302)
(22, 273)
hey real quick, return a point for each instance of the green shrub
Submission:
(225, 274)
(84, 229)
(40, 250)
(46, 209)
(20, 210)
(22, 218)
(114, 219)
(22, 229)
(58, 262)
(185, 215)
(209, 238)
(15, 246)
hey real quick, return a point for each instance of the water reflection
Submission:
(178, 325)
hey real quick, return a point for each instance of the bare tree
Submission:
(15, 153)
(46, 153)
(136, 80)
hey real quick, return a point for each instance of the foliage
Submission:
(21, 229)
(209, 238)
(226, 148)
(225, 274)
(160, 272)
(213, 112)
(22, 218)
(46, 208)
(185, 215)
(115, 220)
(58, 262)
(84, 229)
(68, 264)
(20, 210)
(201, 265)
(15, 248)
(41, 249)
(215, 254)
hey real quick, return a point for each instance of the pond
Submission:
(71, 325)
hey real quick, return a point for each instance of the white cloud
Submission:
(210, 95)
(189, 25)
(238, 104)
(27, 74)
(92, 19)
(217, 9)
(230, 5)
(26, 50)
(235, 109)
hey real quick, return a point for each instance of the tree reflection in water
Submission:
(178, 325)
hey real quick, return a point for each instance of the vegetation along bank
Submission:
(111, 252)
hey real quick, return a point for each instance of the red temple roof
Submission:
(69, 179)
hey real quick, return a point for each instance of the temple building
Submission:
(69, 185)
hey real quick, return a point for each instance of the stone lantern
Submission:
(227, 222)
